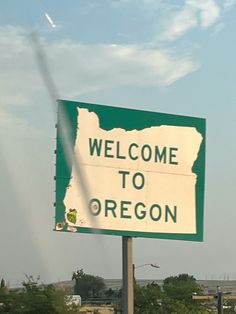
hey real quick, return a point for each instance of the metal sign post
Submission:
(128, 276)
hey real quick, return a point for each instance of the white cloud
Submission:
(229, 3)
(145, 2)
(209, 11)
(78, 68)
(218, 28)
(180, 23)
(194, 13)
(107, 66)
(18, 73)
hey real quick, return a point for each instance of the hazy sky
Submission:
(169, 56)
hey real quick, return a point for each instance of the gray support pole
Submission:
(128, 276)
(220, 302)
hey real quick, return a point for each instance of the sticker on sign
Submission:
(144, 172)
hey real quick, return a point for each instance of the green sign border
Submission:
(128, 119)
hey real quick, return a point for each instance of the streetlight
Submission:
(148, 264)
(143, 265)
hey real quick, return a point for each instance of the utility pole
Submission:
(219, 301)
(220, 296)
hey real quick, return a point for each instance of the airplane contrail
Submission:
(50, 20)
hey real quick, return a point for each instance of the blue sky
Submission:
(169, 56)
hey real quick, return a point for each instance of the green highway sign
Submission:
(129, 172)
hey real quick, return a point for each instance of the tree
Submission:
(3, 288)
(3, 284)
(147, 299)
(181, 287)
(230, 307)
(35, 298)
(177, 295)
(87, 286)
(174, 297)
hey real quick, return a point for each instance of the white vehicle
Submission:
(73, 299)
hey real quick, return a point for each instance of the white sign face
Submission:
(140, 181)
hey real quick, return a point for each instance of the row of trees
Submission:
(35, 298)
(173, 297)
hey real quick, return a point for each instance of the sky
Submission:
(167, 56)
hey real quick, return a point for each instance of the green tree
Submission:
(181, 287)
(174, 297)
(230, 307)
(87, 286)
(177, 295)
(3, 284)
(35, 298)
(3, 288)
(147, 299)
